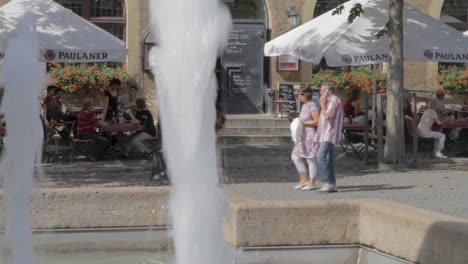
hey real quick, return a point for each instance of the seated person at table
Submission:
(425, 125)
(112, 108)
(86, 129)
(443, 112)
(145, 118)
(55, 113)
(49, 97)
(352, 106)
(127, 102)
(54, 110)
(407, 106)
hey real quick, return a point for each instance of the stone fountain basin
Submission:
(409, 233)
(153, 245)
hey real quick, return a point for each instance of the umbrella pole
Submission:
(374, 93)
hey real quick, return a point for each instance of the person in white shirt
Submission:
(425, 128)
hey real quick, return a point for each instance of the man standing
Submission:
(112, 106)
(439, 104)
(328, 135)
(48, 99)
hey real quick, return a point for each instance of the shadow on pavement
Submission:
(373, 187)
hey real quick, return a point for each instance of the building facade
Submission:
(243, 73)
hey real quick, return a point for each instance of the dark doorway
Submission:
(241, 70)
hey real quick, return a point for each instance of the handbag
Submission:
(296, 130)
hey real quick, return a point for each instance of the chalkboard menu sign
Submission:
(242, 66)
(286, 92)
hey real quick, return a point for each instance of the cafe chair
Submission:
(83, 147)
(425, 145)
(57, 141)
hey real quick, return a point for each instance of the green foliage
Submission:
(383, 31)
(453, 79)
(86, 78)
(358, 77)
(354, 12)
(338, 10)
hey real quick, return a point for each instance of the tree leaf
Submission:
(338, 10)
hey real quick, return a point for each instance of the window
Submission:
(114, 29)
(107, 8)
(455, 14)
(324, 6)
(107, 14)
(74, 5)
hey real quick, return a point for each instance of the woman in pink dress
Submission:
(305, 150)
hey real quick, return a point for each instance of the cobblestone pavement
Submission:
(95, 174)
(266, 173)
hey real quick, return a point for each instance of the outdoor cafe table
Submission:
(462, 113)
(455, 124)
(75, 110)
(121, 127)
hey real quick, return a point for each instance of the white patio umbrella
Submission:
(341, 44)
(63, 35)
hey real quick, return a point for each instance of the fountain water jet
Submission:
(190, 35)
(23, 77)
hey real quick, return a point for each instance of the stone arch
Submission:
(457, 13)
(248, 9)
(437, 7)
(431, 7)
(308, 9)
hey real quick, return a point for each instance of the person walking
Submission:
(328, 135)
(305, 150)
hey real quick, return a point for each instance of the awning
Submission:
(340, 43)
(63, 35)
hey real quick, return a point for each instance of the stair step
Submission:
(256, 140)
(238, 121)
(270, 131)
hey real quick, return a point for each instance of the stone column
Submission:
(421, 75)
(133, 42)
(137, 29)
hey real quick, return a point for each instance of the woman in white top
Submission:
(425, 128)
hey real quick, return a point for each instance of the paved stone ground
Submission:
(266, 173)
